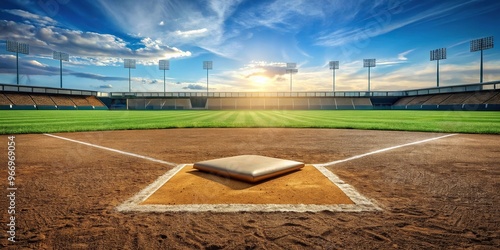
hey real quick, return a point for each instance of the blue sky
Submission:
(249, 42)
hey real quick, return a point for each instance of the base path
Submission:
(438, 194)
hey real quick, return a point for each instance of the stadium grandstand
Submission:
(484, 96)
(40, 98)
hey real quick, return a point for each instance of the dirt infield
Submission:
(305, 186)
(438, 194)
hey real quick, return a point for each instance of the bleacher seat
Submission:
(4, 100)
(20, 99)
(213, 103)
(301, 103)
(456, 99)
(243, 103)
(404, 101)
(285, 103)
(272, 103)
(344, 103)
(328, 103)
(228, 103)
(436, 99)
(258, 103)
(314, 103)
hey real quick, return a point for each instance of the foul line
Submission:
(383, 150)
(361, 203)
(114, 150)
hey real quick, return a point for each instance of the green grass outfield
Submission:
(38, 121)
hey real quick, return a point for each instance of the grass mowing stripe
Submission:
(79, 120)
(293, 119)
(273, 120)
(249, 119)
(231, 117)
(257, 119)
(241, 118)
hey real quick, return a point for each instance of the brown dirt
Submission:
(304, 186)
(439, 195)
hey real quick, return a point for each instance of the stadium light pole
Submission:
(16, 47)
(480, 45)
(61, 57)
(436, 55)
(207, 65)
(130, 64)
(333, 66)
(369, 63)
(291, 68)
(164, 65)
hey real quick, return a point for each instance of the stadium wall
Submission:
(469, 101)
(480, 96)
(466, 101)
(31, 101)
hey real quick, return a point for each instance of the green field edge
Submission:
(36, 122)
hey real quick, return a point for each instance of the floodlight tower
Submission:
(369, 63)
(16, 47)
(164, 65)
(130, 64)
(61, 57)
(480, 45)
(291, 68)
(436, 55)
(333, 66)
(207, 65)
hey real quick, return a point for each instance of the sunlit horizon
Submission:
(249, 43)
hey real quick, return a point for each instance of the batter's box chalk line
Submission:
(361, 203)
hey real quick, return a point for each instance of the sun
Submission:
(259, 79)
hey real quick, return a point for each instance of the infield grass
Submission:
(40, 121)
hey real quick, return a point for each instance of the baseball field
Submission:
(374, 180)
(17, 122)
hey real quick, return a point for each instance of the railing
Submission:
(416, 92)
(248, 94)
(455, 89)
(45, 90)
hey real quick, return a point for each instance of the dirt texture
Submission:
(442, 194)
(303, 186)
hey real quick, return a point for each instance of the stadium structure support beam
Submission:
(436, 55)
(207, 65)
(333, 66)
(61, 57)
(17, 48)
(130, 64)
(480, 45)
(164, 65)
(292, 69)
(369, 63)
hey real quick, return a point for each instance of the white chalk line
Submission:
(383, 150)
(114, 150)
(361, 203)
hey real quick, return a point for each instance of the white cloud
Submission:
(191, 33)
(85, 47)
(283, 13)
(402, 55)
(351, 76)
(162, 23)
(44, 20)
(388, 21)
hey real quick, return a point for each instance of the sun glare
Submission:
(260, 79)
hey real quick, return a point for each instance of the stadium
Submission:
(88, 168)
(471, 97)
